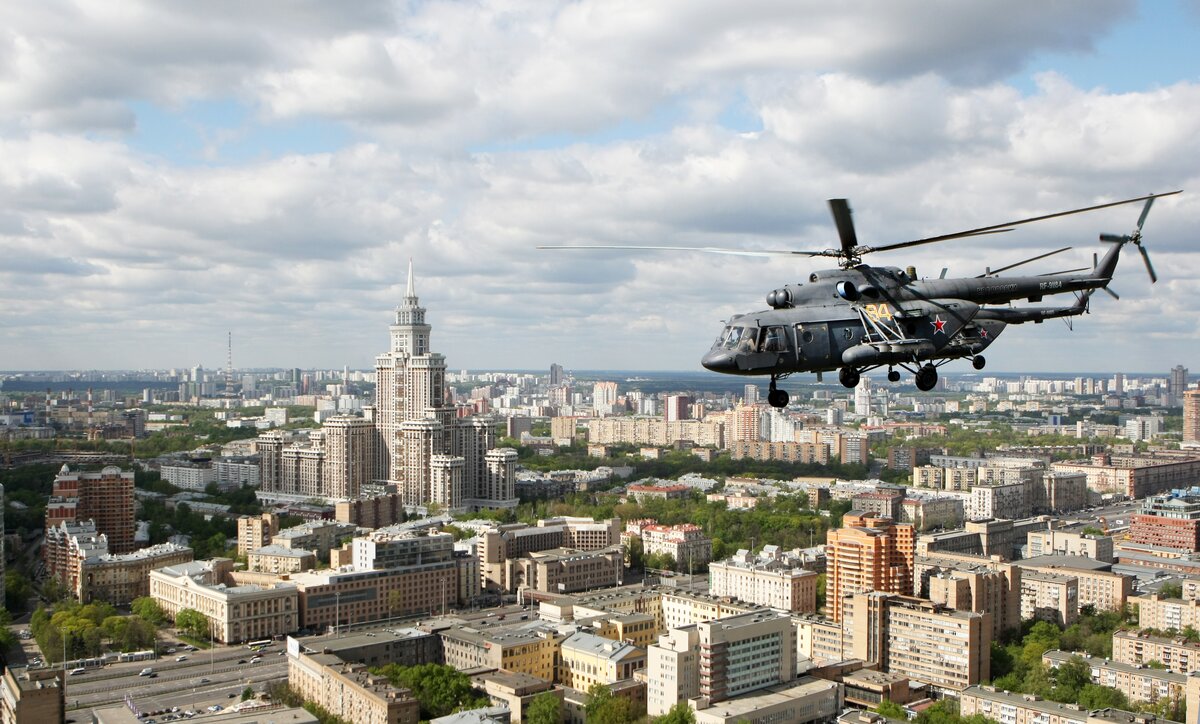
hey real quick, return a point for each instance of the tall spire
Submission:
(410, 296)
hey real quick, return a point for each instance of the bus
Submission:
(259, 644)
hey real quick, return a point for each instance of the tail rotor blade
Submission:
(1149, 266)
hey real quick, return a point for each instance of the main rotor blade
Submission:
(1032, 258)
(1149, 266)
(1065, 271)
(1145, 210)
(1111, 293)
(840, 208)
(703, 249)
(1019, 222)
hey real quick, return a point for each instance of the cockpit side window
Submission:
(721, 337)
(774, 340)
(749, 340)
(731, 339)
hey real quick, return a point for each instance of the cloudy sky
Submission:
(173, 171)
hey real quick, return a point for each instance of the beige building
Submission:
(685, 543)
(1161, 613)
(350, 456)
(1140, 648)
(506, 542)
(256, 531)
(672, 670)
(318, 536)
(971, 583)
(566, 571)
(772, 578)
(279, 559)
(802, 701)
(1047, 596)
(32, 695)
(1003, 706)
(684, 608)
(822, 640)
(949, 650)
(531, 650)
(79, 558)
(1138, 683)
(1061, 542)
(587, 659)
(1097, 585)
(236, 613)
(515, 691)
(655, 431)
(350, 691)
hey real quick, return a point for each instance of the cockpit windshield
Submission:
(732, 339)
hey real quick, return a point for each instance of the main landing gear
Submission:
(849, 377)
(893, 375)
(926, 378)
(776, 397)
(978, 361)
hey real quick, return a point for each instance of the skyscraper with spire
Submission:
(423, 449)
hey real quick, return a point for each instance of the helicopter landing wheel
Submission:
(848, 376)
(778, 398)
(978, 362)
(893, 375)
(926, 378)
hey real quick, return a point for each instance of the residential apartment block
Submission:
(105, 497)
(1141, 648)
(772, 578)
(868, 554)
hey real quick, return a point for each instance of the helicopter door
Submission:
(812, 346)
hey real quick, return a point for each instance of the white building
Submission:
(772, 578)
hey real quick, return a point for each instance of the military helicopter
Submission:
(858, 317)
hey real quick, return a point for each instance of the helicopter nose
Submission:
(719, 361)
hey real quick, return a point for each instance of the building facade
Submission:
(868, 554)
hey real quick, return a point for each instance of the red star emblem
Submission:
(983, 333)
(938, 324)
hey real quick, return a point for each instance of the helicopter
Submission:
(857, 317)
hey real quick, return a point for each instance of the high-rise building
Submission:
(1191, 416)
(1178, 381)
(105, 497)
(557, 374)
(677, 407)
(742, 653)
(604, 397)
(349, 456)
(750, 394)
(868, 553)
(862, 397)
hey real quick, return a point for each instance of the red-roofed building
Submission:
(642, 493)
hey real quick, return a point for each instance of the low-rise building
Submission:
(1061, 542)
(530, 649)
(685, 543)
(772, 578)
(1097, 585)
(318, 536)
(1154, 611)
(278, 559)
(801, 701)
(235, 613)
(350, 691)
(1010, 708)
(514, 691)
(1143, 648)
(1137, 682)
(587, 659)
(566, 571)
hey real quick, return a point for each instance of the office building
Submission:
(531, 650)
(105, 497)
(868, 554)
(236, 613)
(507, 542)
(772, 578)
(742, 653)
(1168, 521)
(563, 570)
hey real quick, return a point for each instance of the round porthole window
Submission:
(807, 337)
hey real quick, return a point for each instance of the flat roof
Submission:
(747, 704)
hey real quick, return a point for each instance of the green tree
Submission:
(1170, 590)
(1073, 675)
(891, 710)
(1093, 696)
(148, 609)
(546, 708)
(17, 590)
(441, 689)
(247, 693)
(681, 713)
(192, 622)
(604, 707)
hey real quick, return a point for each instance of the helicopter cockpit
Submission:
(737, 340)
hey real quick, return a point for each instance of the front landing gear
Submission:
(776, 397)
(848, 376)
(926, 378)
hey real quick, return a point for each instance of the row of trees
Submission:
(440, 689)
(79, 630)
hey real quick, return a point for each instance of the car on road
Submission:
(205, 680)
(146, 671)
(256, 659)
(214, 708)
(152, 676)
(241, 661)
(181, 657)
(232, 695)
(78, 671)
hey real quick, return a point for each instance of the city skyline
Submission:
(173, 176)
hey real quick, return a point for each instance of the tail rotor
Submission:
(1135, 238)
